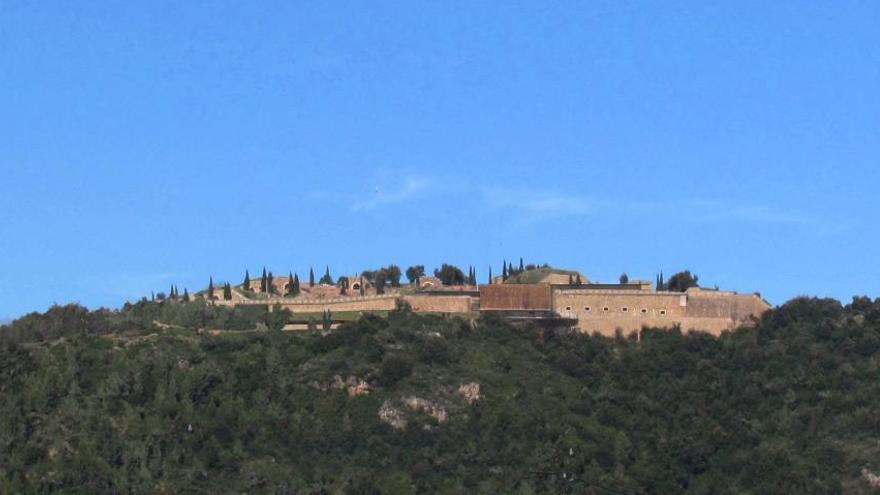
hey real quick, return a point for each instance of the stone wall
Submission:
(440, 304)
(515, 297)
(607, 311)
(318, 305)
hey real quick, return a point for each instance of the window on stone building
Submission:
(605, 309)
(624, 309)
(644, 311)
(568, 308)
(662, 312)
(587, 309)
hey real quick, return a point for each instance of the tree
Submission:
(227, 292)
(449, 275)
(521, 265)
(326, 279)
(246, 285)
(490, 275)
(171, 294)
(270, 283)
(211, 288)
(394, 369)
(380, 280)
(264, 281)
(328, 321)
(414, 273)
(682, 281)
(290, 285)
(504, 271)
(393, 274)
(660, 285)
(295, 285)
(185, 295)
(311, 277)
(624, 278)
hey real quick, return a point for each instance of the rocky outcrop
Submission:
(471, 392)
(871, 478)
(353, 385)
(432, 409)
(392, 416)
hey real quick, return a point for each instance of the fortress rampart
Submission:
(609, 311)
(606, 309)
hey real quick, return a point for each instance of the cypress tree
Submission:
(326, 278)
(520, 265)
(185, 295)
(504, 271)
(171, 292)
(227, 292)
(211, 288)
(246, 285)
(263, 281)
(295, 284)
(290, 285)
(490, 274)
(311, 277)
(270, 285)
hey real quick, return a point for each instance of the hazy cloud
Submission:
(540, 204)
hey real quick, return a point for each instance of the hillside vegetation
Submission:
(139, 401)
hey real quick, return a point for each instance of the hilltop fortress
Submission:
(544, 295)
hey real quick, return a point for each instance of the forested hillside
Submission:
(144, 400)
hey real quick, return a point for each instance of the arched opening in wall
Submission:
(605, 309)
(587, 309)
(568, 308)
(644, 311)
(428, 284)
(624, 309)
(356, 286)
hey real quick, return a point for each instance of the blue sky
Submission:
(145, 143)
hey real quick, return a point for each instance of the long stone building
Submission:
(607, 309)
